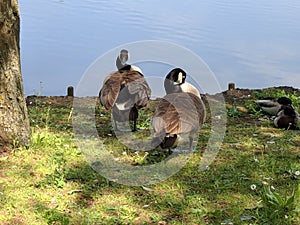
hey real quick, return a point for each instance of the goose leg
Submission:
(191, 139)
(115, 126)
(134, 126)
(133, 115)
(115, 115)
(191, 143)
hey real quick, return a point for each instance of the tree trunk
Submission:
(14, 124)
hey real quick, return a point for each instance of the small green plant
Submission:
(41, 116)
(270, 92)
(52, 216)
(57, 177)
(42, 138)
(145, 124)
(278, 207)
(253, 108)
(233, 112)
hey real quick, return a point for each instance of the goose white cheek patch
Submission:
(180, 78)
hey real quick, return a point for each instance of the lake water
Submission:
(255, 44)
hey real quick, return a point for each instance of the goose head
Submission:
(175, 77)
(284, 101)
(121, 63)
(122, 59)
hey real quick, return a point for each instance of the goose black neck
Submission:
(121, 66)
(170, 87)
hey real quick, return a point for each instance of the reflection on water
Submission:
(253, 43)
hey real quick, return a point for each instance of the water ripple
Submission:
(238, 39)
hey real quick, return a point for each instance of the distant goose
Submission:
(178, 113)
(287, 118)
(124, 92)
(122, 59)
(121, 62)
(272, 105)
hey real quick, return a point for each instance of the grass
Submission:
(253, 180)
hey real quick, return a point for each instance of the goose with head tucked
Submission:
(272, 105)
(124, 92)
(180, 112)
(121, 62)
(287, 118)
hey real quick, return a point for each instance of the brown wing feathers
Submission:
(135, 83)
(110, 90)
(179, 112)
(138, 86)
(124, 92)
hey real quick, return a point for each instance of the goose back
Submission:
(272, 105)
(189, 88)
(124, 87)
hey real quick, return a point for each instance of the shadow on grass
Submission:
(221, 193)
(52, 215)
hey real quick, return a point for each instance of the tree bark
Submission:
(14, 123)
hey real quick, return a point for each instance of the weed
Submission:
(233, 112)
(277, 208)
(52, 216)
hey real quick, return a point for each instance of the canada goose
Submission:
(175, 82)
(124, 92)
(287, 118)
(122, 59)
(178, 113)
(272, 105)
(121, 62)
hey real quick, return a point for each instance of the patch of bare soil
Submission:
(232, 97)
(238, 96)
(34, 100)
